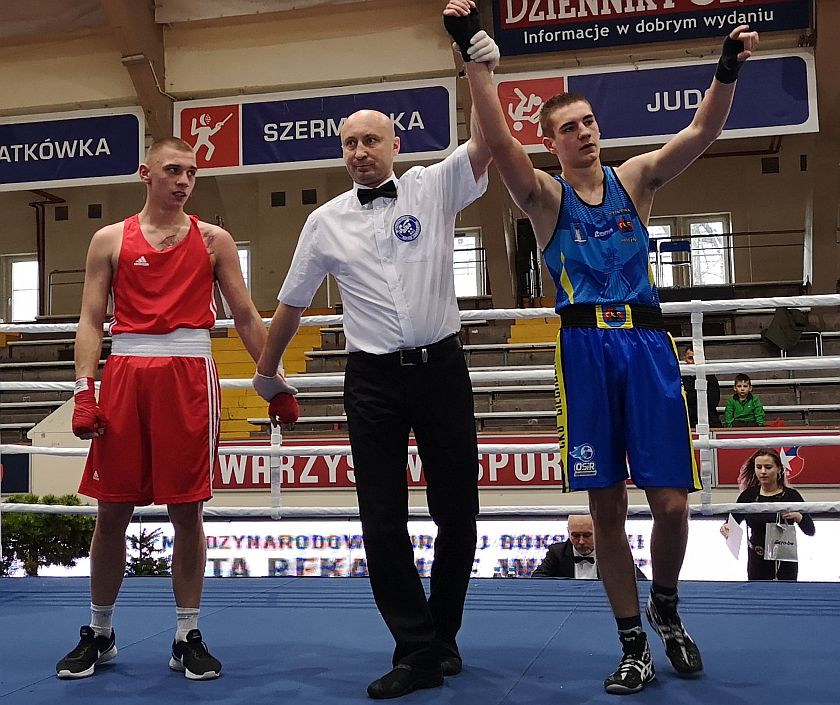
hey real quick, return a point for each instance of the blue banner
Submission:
(775, 95)
(302, 130)
(308, 129)
(14, 473)
(772, 93)
(75, 150)
(537, 26)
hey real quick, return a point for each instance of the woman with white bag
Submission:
(771, 538)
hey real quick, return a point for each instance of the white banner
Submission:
(504, 549)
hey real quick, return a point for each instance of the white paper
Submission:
(736, 535)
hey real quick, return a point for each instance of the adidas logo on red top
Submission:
(141, 262)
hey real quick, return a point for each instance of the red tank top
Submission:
(157, 292)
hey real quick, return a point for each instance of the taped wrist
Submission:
(728, 64)
(84, 386)
(463, 29)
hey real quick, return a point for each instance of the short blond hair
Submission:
(175, 143)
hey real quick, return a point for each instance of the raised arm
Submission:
(477, 149)
(654, 169)
(533, 191)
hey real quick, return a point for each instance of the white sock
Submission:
(101, 617)
(187, 619)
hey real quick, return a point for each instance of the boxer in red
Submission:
(155, 428)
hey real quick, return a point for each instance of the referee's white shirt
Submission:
(391, 258)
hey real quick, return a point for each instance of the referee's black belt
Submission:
(417, 356)
(611, 316)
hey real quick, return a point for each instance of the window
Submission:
(469, 263)
(710, 249)
(20, 273)
(244, 250)
(706, 260)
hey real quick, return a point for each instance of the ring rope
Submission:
(719, 509)
(541, 373)
(485, 449)
(675, 307)
(704, 443)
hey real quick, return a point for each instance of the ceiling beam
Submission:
(140, 41)
(171, 11)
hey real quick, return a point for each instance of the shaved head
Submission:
(369, 145)
(369, 118)
(581, 533)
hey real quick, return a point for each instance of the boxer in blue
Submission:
(619, 395)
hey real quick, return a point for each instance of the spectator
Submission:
(762, 479)
(712, 393)
(743, 408)
(574, 557)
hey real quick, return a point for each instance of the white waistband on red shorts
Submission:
(183, 342)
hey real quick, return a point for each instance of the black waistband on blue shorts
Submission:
(611, 316)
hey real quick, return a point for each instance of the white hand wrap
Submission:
(270, 387)
(484, 50)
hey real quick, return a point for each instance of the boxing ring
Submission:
(318, 640)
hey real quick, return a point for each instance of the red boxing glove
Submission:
(88, 419)
(283, 409)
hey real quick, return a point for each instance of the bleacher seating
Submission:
(806, 397)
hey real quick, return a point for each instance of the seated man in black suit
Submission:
(574, 557)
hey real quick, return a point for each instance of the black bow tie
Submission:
(386, 190)
(585, 559)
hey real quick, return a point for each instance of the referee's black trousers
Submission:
(384, 401)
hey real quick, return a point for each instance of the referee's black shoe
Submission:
(404, 679)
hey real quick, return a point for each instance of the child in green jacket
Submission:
(743, 408)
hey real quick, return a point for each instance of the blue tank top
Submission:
(599, 254)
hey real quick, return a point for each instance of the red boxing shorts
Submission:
(162, 429)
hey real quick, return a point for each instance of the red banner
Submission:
(308, 472)
(805, 465)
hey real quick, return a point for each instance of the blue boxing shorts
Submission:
(620, 406)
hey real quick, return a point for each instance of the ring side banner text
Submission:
(641, 105)
(805, 466)
(504, 549)
(538, 26)
(634, 106)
